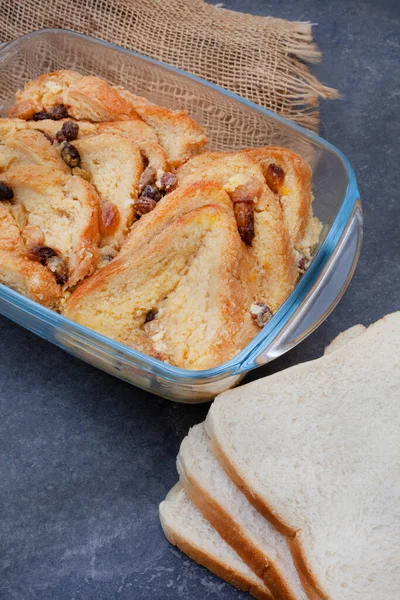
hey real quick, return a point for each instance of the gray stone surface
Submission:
(85, 458)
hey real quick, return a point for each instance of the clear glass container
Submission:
(231, 123)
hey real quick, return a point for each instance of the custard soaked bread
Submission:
(20, 271)
(183, 296)
(277, 234)
(57, 215)
(66, 93)
(29, 147)
(194, 252)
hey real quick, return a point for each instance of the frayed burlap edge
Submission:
(260, 58)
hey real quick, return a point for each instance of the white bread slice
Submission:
(316, 449)
(185, 528)
(236, 520)
(343, 338)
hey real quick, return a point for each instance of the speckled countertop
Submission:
(85, 458)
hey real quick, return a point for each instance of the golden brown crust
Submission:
(177, 132)
(17, 270)
(273, 252)
(232, 533)
(177, 203)
(295, 194)
(307, 577)
(137, 131)
(65, 209)
(93, 99)
(42, 93)
(159, 275)
(85, 97)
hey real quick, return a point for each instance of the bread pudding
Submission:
(113, 213)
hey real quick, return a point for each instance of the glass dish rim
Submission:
(238, 364)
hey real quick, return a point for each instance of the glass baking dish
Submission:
(231, 123)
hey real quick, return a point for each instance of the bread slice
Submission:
(17, 270)
(176, 204)
(85, 98)
(185, 528)
(29, 147)
(316, 450)
(255, 540)
(60, 212)
(91, 98)
(294, 190)
(115, 165)
(183, 297)
(273, 254)
(177, 132)
(42, 93)
(343, 338)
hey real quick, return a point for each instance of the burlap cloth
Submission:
(261, 58)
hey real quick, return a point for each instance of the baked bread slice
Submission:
(137, 131)
(115, 165)
(179, 135)
(17, 269)
(176, 204)
(289, 175)
(316, 451)
(42, 93)
(68, 93)
(185, 528)
(274, 257)
(23, 147)
(183, 296)
(258, 544)
(82, 98)
(58, 212)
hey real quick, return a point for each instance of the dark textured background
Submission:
(85, 459)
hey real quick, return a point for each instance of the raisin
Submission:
(151, 315)
(274, 177)
(109, 218)
(57, 112)
(50, 258)
(144, 205)
(41, 116)
(260, 313)
(41, 253)
(151, 192)
(245, 221)
(6, 192)
(70, 130)
(70, 155)
(168, 181)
